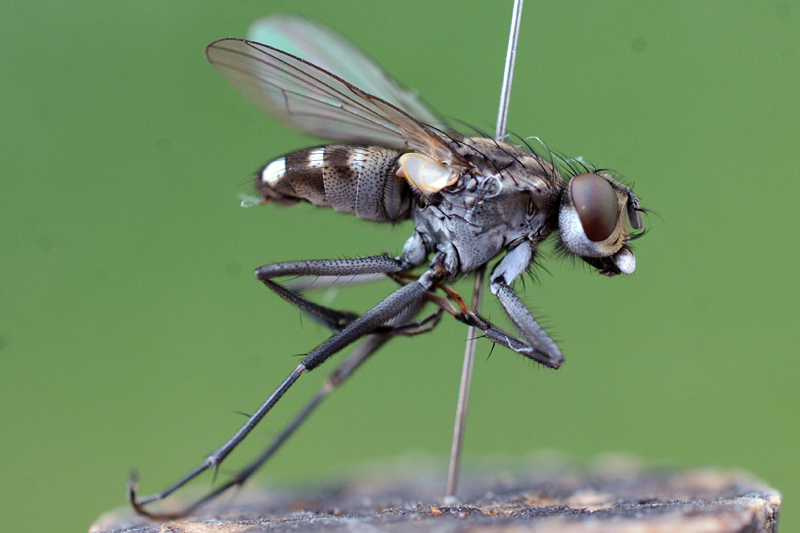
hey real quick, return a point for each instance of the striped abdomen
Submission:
(351, 179)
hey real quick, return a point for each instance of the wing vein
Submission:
(316, 102)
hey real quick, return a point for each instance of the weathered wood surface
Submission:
(545, 502)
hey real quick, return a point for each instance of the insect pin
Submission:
(470, 198)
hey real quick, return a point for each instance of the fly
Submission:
(470, 198)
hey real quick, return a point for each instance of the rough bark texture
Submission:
(556, 500)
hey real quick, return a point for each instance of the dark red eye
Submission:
(596, 203)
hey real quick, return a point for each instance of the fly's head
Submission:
(593, 221)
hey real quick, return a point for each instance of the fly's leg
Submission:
(377, 264)
(527, 347)
(537, 344)
(400, 326)
(388, 309)
(371, 344)
(304, 284)
(329, 269)
(213, 460)
(537, 338)
(337, 320)
(332, 318)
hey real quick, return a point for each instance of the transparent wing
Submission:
(315, 102)
(321, 46)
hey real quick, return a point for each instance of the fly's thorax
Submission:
(507, 197)
(350, 179)
(514, 167)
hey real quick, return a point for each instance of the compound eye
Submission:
(597, 205)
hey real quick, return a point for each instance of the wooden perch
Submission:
(562, 500)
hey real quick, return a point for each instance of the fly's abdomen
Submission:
(350, 179)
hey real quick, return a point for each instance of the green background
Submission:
(131, 327)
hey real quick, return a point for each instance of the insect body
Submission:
(496, 197)
(470, 199)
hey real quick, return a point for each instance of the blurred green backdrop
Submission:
(131, 327)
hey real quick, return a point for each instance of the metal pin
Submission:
(471, 344)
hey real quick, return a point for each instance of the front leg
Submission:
(544, 348)
(510, 268)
